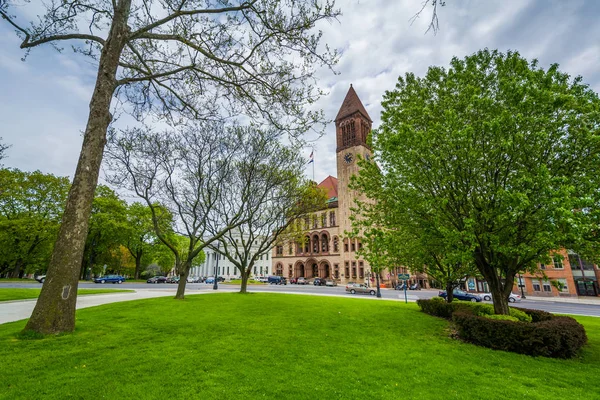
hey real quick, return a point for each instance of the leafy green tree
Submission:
(31, 205)
(191, 58)
(108, 229)
(140, 234)
(495, 154)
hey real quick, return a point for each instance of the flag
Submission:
(311, 158)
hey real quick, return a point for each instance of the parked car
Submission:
(330, 282)
(157, 279)
(263, 279)
(414, 287)
(512, 298)
(360, 288)
(173, 279)
(302, 281)
(40, 278)
(277, 280)
(460, 295)
(401, 286)
(110, 279)
(293, 280)
(210, 279)
(319, 282)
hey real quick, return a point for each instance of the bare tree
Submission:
(272, 175)
(3, 148)
(175, 58)
(434, 23)
(192, 172)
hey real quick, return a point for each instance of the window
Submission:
(290, 250)
(261, 270)
(359, 245)
(332, 218)
(353, 246)
(267, 256)
(266, 270)
(542, 266)
(346, 245)
(254, 270)
(361, 270)
(306, 223)
(324, 243)
(227, 270)
(315, 224)
(279, 251)
(336, 270)
(574, 260)
(335, 244)
(557, 262)
(563, 285)
(324, 220)
(537, 286)
(354, 269)
(547, 287)
(347, 268)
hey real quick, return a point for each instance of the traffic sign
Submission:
(403, 277)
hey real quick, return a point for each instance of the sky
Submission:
(44, 100)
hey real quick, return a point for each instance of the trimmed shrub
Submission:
(537, 315)
(436, 308)
(559, 337)
(500, 317)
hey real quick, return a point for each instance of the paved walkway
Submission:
(16, 310)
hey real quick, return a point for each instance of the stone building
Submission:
(327, 252)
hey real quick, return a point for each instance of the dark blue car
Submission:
(110, 279)
(460, 295)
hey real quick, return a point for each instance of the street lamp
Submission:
(521, 285)
(215, 284)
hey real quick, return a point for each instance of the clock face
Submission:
(348, 158)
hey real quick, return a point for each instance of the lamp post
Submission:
(378, 288)
(521, 285)
(215, 283)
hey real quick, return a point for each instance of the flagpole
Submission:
(313, 167)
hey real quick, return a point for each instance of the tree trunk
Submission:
(138, 265)
(378, 287)
(54, 311)
(449, 291)
(16, 270)
(184, 271)
(245, 275)
(500, 290)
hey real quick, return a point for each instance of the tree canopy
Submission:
(495, 157)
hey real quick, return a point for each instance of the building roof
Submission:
(351, 105)
(331, 184)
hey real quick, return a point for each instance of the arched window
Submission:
(345, 134)
(335, 244)
(352, 133)
(324, 243)
(306, 244)
(315, 243)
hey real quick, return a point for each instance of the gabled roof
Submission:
(331, 185)
(351, 105)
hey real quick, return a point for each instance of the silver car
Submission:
(360, 288)
(511, 299)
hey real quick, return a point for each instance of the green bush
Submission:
(500, 317)
(559, 337)
(537, 315)
(440, 308)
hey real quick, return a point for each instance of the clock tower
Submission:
(352, 125)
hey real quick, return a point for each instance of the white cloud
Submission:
(45, 100)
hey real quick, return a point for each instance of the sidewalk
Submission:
(575, 300)
(16, 310)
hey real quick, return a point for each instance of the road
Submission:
(13, 311)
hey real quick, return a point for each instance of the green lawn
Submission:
(20, 294)
(275, 346)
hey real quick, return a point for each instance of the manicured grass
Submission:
(20, 294)
(230, 346)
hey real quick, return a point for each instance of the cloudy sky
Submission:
(44, 101)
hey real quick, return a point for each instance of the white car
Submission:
(513, 298)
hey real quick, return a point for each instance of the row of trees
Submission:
(120, 236)
(486, 167)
